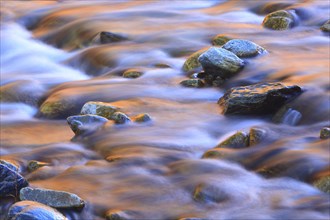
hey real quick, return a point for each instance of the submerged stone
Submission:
(279, 20)
(83, 123)
(261, 98)
(323, 184)
(132, 73)
(34, 165)
(209, 193)
(109, 37)
(325, 133)
(192, 61)
(144, 117)
(238, 140)
(220, 40)
(103, 109)
(195, 83)
(120, 118)
(256, 135)
(11, 181)
(220, 62)
(53, 198)
(243, 48)
(326, 26)
(30, 210)
(120, 215)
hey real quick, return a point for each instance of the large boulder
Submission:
(99, 108)
(53, 198)
(261, 98)
(11, 181)
(279, 20)
(220, 62)
(83, 123)
(243, 48)
(29, 210)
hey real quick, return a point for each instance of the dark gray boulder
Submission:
(220, 62)
(84, 123)
(193, 83)
(11, 181)
(53, 198)
(262, 98)
(243, 48)
(29, 210)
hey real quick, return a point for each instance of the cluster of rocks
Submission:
(35, 203)
(94, 115)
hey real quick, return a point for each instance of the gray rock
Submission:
(238, 140)
(53, 198)
(279, 20)
(325, 133)
(99, 108)
(11, 165)
(142, 118)
(243, 48)
(262, 98)
(29, 210)
(84, 123)
(220, 40)
(11, 181)
(109, 37)
(195, 83)
(220, 62)
(326, 26)
(120, 118)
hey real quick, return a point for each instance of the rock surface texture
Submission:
(279, 20)
(83, 123)
(99, 108)
(11, 181)
(243, 48)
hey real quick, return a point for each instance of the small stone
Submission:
(218, 81)
(80, 124)
(192, 61)
(243, 48)
(99, 108)
(11, 181)
(325, 133)
(195, 83)
(326, 26)
(29, 210)
(120, 215)
(109, 37)
(34, 165)
(220, 40)
(53, 198)
(220, 62)
(209, 193)
(132, 73)
(279, 20)
(120, 118)
(162, 65)
(238, 140)
(256, 136)
(323, 184)
(142, 118)
(261, 98)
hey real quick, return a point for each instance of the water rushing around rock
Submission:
(53, 62)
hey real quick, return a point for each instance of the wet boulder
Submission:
(238, 140)
(325, 133)
(34, 165)
(194, 83)
(30, 210)
(323, 184)
(120, 118)
(99, 108)
(326, 26)
(53, 198)
(279, 20)
(144, 117)
(256, 135)
(132, 73)
(11, 181)
(220, 40)
(220, 62)
(84, 123)
(109, 37)
(261, 98)
(243, 48)
(192, 61)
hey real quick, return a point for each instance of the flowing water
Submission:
(49, 55)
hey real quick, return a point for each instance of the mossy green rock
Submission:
(220, 62)
(279, 20)
(326, 26)
(192, 61)
(103, 109)
(53, 198)
(325, 133)
(323, 184)
(80, 124)
(238, 140)
(30, 210)
(220, 40)
(243, 48)
(195, 83)
(261, 98)
(120, 118)
(132, 73)
(144, 117)
(256, 136)
(34, 165)
(56, 109)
